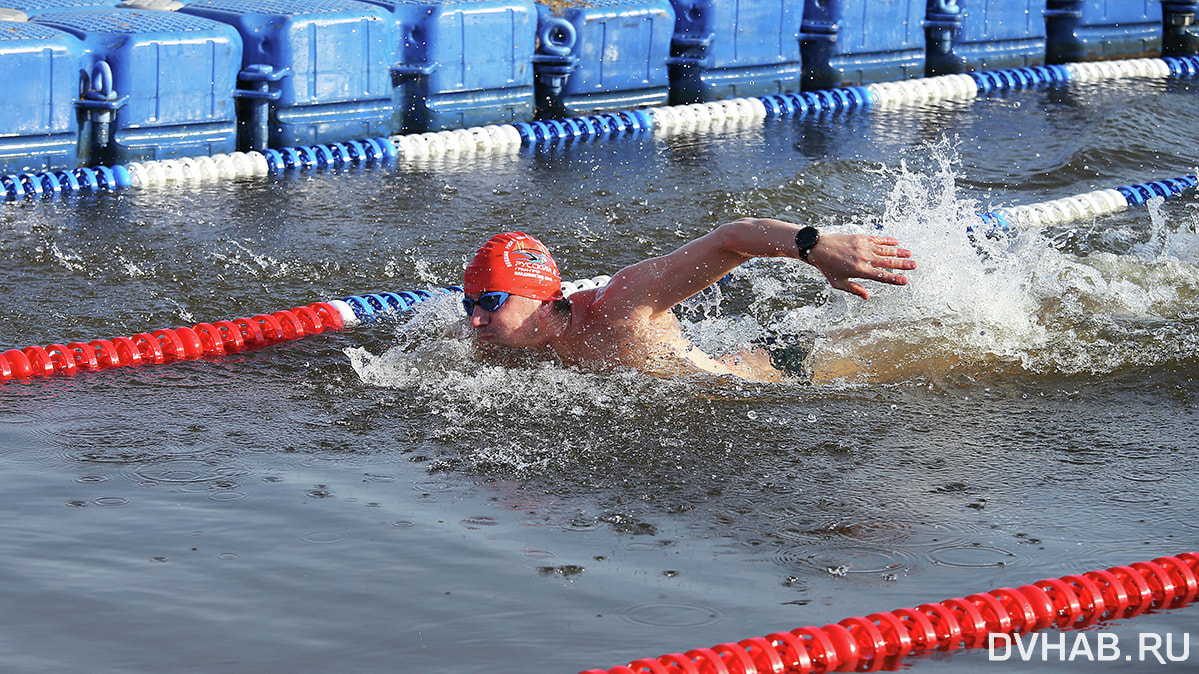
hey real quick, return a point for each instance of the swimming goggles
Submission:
(491, 300)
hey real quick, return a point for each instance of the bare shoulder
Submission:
(605, 303)
(626, 295)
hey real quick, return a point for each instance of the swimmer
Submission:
(514, 298)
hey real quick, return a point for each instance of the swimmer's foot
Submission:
(791, 354)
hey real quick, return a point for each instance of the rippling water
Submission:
(381, 500)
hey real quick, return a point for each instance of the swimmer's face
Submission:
(512, 324)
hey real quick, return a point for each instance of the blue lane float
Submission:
(359, 309)
(590, 126)
(1020, 78)
(1083, 206)
(1182, 66)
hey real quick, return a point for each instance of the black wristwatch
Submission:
(805, 240)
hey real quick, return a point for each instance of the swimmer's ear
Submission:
(549, 309)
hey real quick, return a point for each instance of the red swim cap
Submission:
(516, 263)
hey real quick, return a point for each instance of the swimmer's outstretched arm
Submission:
(655, 285)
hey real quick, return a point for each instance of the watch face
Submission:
(806, 238)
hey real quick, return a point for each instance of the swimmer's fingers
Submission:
(889, 255)
(850, 287)
(854, 288)
(843, 257)
(897, 261)
(888, 252)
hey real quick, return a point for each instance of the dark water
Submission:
(380, 500)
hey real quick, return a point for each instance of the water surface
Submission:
(382, 500)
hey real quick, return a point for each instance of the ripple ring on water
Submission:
(669, 615)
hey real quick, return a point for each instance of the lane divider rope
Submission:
(193, 169)
(220, 338)
(880, 640)
(202, 340)
(510, 137)
(1085, 206)
(170, 345)
(217, 339)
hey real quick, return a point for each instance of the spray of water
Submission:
(517, 415)
(1016, 306)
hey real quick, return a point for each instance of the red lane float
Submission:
(879, 640)
(170, 344)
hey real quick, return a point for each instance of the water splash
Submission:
(243, 259)
(525, 413)
(1011, 307)
(1021, 304)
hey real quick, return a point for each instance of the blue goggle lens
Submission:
(490, 301)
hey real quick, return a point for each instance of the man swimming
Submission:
(514, 296)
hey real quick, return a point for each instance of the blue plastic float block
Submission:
(734, 48)
(462, 63)
(34, 7)
(40, 70)
(1118, 30)
(854, 42)
(173, 78)
(331, 61)
(621, 47)
(879, 41)
(999, 34)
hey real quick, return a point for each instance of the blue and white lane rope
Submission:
(210, 339)
(1084, 206)
(512, 137)
(193, 169)
(362, 309)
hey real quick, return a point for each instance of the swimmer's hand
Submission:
(841, 257)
